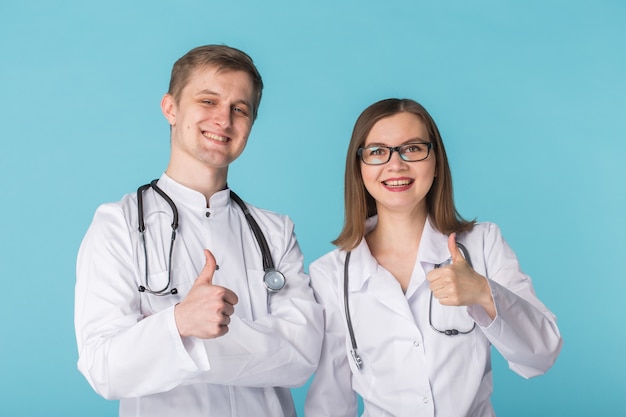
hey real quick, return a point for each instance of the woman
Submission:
(426, 293)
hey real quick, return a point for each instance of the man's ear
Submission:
(168, 107)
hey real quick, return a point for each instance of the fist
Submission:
(205, 311)
(457, 284)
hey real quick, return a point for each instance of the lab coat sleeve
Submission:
(331, 393)
(524, 331)
(121, 353)
(281, 348)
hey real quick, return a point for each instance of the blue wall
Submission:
(530, 98)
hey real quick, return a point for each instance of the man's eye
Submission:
(207, 101)
(240, 110)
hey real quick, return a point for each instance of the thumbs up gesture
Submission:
(205, 311)
(457, 284)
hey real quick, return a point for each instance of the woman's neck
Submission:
(397, 232)
(394, 243)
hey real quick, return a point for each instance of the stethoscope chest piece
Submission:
(274, 280)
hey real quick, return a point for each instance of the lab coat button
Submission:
(416, 343)
(425, 399)
(208, 214)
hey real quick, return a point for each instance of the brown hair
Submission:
(359, 204)
(221, 56)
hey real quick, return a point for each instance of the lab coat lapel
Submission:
(433, 247)
(376, 284)
(362, 266)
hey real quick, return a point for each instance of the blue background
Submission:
(530, 98)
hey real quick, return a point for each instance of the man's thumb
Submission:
(206, 275)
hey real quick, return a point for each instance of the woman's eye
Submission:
(414, 147)
(376, 151)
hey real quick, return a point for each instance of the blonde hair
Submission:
(224, 58)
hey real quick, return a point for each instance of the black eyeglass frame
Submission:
(429, 146)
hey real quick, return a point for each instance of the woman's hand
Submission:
(458, 284)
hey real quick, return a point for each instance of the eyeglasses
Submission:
(410, 152)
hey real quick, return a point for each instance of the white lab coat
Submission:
(408, 368)
(128, 344)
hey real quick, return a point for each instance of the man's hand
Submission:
(205, 312)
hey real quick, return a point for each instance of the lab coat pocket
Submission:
(449, 318)
(165, 293)
(257, 295)
(158, 282)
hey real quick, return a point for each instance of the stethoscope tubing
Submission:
(358, 361)
(273, 279)
(450, 332)
(142, 230)
(268, 263)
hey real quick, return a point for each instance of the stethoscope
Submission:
(273, 279)
(358, 361)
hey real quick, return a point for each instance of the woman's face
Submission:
(399, 185)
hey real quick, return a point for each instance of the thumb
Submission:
(455, 252)
(206, 275)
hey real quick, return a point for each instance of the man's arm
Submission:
(121, 352)
(281, 348)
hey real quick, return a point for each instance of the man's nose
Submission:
(223, 116)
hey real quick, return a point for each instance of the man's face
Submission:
(212, 118)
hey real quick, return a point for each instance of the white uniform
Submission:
(408, 368)
(128, 344)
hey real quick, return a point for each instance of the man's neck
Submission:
(203, 179)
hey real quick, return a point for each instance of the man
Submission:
(172, 312)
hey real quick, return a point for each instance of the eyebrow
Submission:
(214, 93)
(406, 142)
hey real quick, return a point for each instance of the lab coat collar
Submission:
(433, 249)
(362, 264)
(194, 199)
